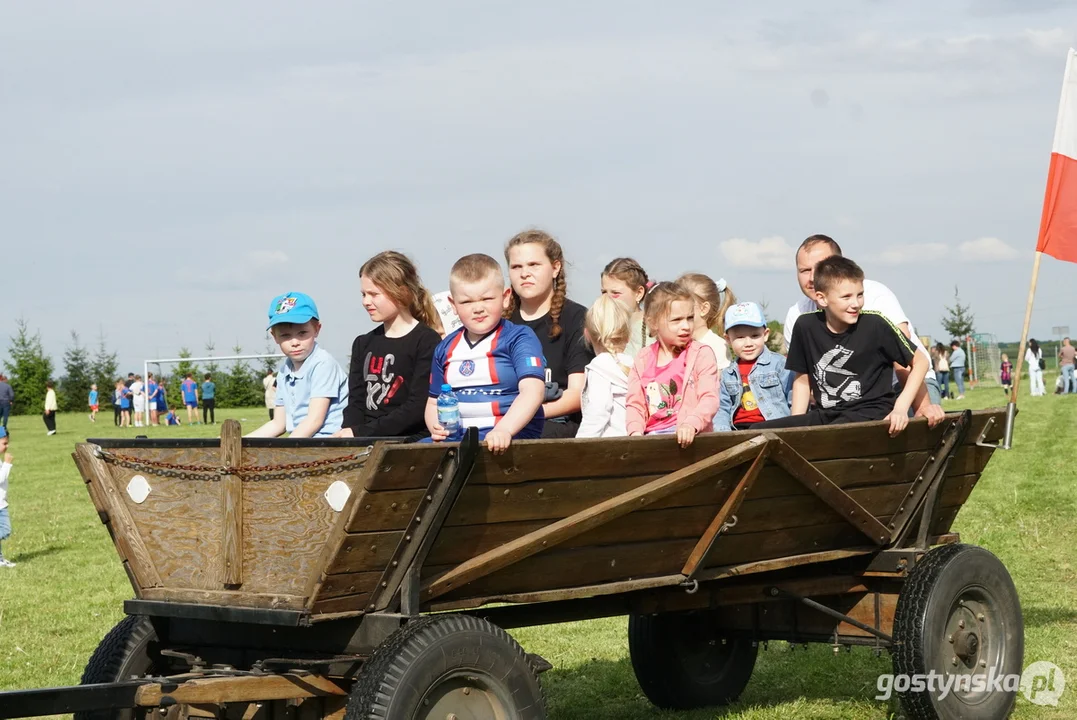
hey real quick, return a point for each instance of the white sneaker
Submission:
(51, 432)
(4, 562)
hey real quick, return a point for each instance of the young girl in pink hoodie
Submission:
(673, 385)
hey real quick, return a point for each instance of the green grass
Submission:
(68, 588)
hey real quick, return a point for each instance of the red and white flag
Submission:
(1058, 225)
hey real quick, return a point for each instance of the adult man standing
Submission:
(1067, 356)
(957, 367)
(7, 397)
(877, 297)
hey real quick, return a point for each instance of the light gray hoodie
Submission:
(604, 391)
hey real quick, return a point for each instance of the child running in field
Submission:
(673, 386)
(493, 365)
(1005, 374)
(845, 357)
(389, 378)
(756, 387)
(92, 400)
(5, 472)
(625, 280)
(607, 329)
(712, 299)
(312, 389)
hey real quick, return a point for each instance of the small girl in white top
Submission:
(5, 470)
(607, 330)
(712, 300)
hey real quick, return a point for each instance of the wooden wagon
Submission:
(359, 579)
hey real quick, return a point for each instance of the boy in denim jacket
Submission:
(757, 386)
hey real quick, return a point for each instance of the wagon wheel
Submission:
(447, 666)
(958, 614)
(683, 661)
(128, 650)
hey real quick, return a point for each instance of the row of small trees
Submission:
(28, 367)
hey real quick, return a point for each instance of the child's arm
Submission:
(597, 406)
(899, 417)
(437, 433)
(570, 400)
(317, 411)
(801, 394)
(522, 411)
(723, 420)
(273, 428)
(635, 404)
(701, 417)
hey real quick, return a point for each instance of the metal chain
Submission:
(289, 471)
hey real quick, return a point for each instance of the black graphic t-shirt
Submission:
(567, 353)
(389, 382)
(853, 369)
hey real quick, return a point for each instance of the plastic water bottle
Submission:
(449, 413)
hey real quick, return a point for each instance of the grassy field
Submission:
(68, 588)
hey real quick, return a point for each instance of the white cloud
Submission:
(985, 249)
(912, 253)
(769, 253)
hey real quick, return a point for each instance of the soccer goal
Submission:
(158, 362)
(985, 360)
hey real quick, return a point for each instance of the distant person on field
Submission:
(845, 357)
(138, 398)
(269, 382)
(92, 400)
(1067, 355)
(878, 298)
(171, 418)
(189, 388)
(162, 398)
(117, 397)
(1005, 373)
(1034, 360)
(941, 357)
(153, 394)
(5, 472)
(50, 408)
(209, 400)
(957, 367)
(312, 388)
(7, 397)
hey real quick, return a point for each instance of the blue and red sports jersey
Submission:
(188, 388)
(486, 376)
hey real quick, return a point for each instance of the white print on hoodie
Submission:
(604, 391)
(5, 470)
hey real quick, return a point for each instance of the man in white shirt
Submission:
(877, 297)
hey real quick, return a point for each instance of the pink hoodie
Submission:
(700, 399)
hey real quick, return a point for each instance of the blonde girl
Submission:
(389, 377)
(605, 388)
(539, 300)
(626, 281)
(712, 299)
(673, 385)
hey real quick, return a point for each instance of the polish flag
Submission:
(1058, 225)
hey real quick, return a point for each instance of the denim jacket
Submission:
(770, 382)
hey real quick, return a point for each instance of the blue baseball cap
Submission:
(292, 307)
(3, 431)
(745, 313)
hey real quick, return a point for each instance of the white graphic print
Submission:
(836, 384)
(381, 382)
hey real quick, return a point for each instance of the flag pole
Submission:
(1011, 409)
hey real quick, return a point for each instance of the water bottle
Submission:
(449, 413)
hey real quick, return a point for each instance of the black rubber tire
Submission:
(422, 667)
(126, 651)
(949, 584)
(682, 661)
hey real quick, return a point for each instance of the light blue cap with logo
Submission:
(292, 307)
(745, 313)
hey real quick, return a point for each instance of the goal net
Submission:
(985, 360)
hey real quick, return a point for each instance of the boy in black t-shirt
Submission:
(844, 357)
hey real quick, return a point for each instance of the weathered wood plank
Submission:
(231, 560)
(593, 517)
(347, 604)
(226, 597)
(240, 689)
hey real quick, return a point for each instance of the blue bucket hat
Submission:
(745, 313)
(292, 307)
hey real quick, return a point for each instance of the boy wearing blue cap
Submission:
(5, 470)
(312, 388)
(756, 387)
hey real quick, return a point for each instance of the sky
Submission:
(167, 168)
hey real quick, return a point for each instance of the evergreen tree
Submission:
(183, 367)
(28, 369)
(270, 364)
(958, 321)
(78, 375)
(239, 387)
(211, 366)
(104, 371)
